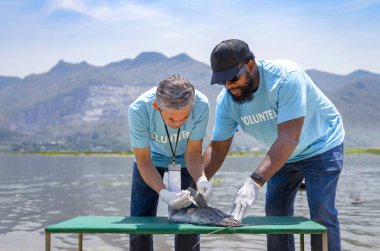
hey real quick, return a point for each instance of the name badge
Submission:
(174, 177)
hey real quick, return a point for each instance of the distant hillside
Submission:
(356, 97)
(84, 107)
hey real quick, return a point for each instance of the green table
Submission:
(161, 225)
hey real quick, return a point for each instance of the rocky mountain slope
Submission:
(84, 107)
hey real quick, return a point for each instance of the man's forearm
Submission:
(215, 155)
(193, 157)
(151, 176)
(147, 171)
(289, 133)
(194, 166)
(276, 157)
(212, 161)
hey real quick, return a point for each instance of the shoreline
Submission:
(347, 151)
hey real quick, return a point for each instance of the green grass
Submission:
(215, 181)
(81, 153)
(347, 151)
(374, 150)
(238, 154)
(68, 153)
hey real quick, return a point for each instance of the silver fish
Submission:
(203, 214)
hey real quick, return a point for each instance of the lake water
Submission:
(37, 191)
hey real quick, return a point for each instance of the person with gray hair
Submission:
(167, 126)
(175, 93)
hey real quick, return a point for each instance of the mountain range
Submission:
(82, 107)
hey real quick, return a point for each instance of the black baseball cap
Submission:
(225, 59)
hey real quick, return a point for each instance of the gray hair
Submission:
(175, 93)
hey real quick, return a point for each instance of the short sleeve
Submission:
(292, 97)
(200, 125)
(139, 128)
(225, 126)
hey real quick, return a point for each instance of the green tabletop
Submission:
(161, 225)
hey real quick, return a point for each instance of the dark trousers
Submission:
(144, 202)
(321, 175)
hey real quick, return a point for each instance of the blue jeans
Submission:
(144, 202)
(321, 175)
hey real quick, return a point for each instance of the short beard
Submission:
(246, 91)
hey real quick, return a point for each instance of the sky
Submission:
(333, 36)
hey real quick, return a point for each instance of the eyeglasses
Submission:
(237, 76)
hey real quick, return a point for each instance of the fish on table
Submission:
(200, 213)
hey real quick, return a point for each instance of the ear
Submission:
(251, 65)
(155, 106)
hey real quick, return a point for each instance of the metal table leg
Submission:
(47, 241)
(302, 242)
(324, 242)
(80, 243)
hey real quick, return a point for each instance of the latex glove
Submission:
(176, 200)
(204, 187)
(244, 198)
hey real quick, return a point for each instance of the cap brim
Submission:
(220, 77)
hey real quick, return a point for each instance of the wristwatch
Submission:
(258, 177)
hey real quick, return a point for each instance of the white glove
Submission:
(204, 187)
(244, 198)
(176, 200)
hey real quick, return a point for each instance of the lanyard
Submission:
(170, 142)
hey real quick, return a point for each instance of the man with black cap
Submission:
(277, 103)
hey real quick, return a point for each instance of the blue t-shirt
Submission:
(147, 128)
(285, 92)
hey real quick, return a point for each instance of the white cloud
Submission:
(110, 12)
(314, 34)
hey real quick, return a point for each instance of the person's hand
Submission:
(244, 198)
(204, 187)
(176, 200)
